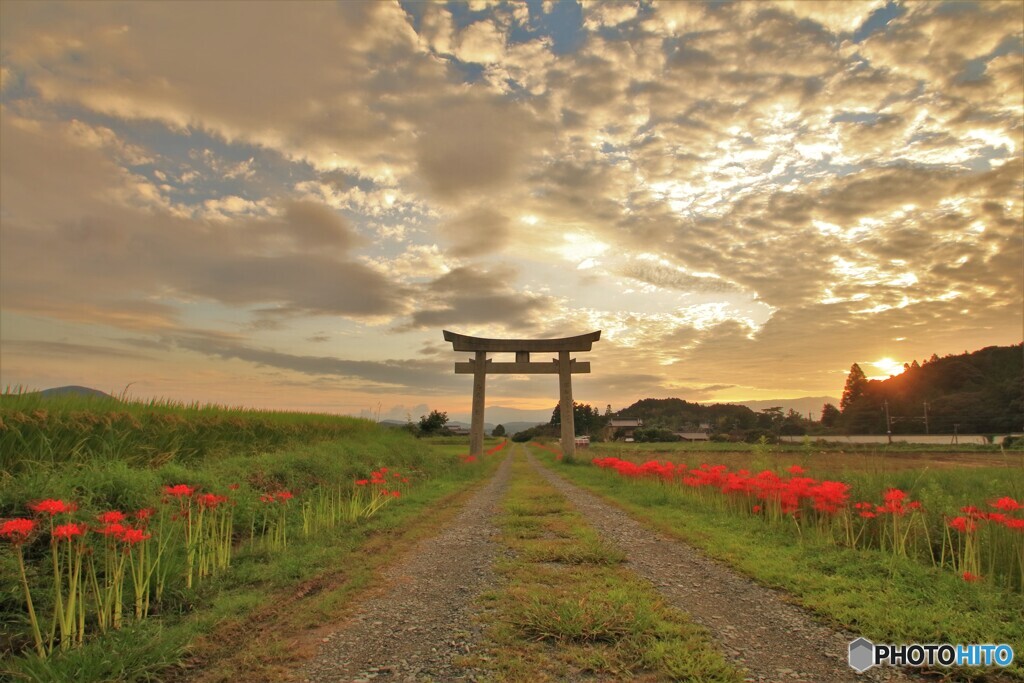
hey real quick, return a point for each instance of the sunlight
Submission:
(889, 366)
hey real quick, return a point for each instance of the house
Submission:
(622, 427)
(693, 436)
(456, 430)
(582, 441)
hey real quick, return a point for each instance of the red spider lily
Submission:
(396, 494)
(796, 469)
(383, 470)
(179, 490)
(17, 530)
(997, 517)
(132, 536)
(972, 511)
(113, 529)
(144, 514)
(283, 496)
(971, 577)
(865, 510)
(829, 496)
(267, 498)
(233, 487)
(1015, 524)
(210, 500)
(757, 509)
(53, 507)
(68, 531)
(962, 524)
(1006, 504)
(362, 482)
(112, 517)
(893, 502)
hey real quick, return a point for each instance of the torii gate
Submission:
(563, 366)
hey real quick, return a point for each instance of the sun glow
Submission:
(889, 366)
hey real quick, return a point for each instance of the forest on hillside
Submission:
(970, 393)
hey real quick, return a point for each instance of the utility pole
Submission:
(888, 421)
(926, 418)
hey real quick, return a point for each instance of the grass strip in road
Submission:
(567, 608)
(884, 598)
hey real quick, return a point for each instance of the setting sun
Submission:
(889, 366)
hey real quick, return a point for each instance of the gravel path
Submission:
(416, 626)
(754, 626)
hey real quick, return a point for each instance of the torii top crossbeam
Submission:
(462, 342)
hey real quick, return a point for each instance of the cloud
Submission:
(371, 376)
(471, 145)
(471, 296)
(478, 230)
(44, 347)
(72, 242)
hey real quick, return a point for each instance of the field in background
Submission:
(48, 432)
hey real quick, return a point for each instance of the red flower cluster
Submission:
(498, 448)
(824, 496)
(53, 507)
(278, 497)
(68, 531)
(179, 491)
(969, 521)
(17, 530)
(211, 500)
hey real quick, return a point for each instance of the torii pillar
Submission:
(564, 366)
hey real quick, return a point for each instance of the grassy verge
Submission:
(884, 598)
(260, 581)
(566, 608)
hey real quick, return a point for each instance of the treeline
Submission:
(980, 392)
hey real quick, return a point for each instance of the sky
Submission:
(283, 204)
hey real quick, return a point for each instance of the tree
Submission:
(498, 431)
(856, 381)
(586, 419)
(830, 415)
(433, 423)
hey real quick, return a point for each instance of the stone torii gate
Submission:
(563, 366)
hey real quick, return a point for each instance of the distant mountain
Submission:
(503, 415)
(72, 390)
(803, 405)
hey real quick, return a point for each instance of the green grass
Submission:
(101, 479)
(37, 432)
(884, 598)
(567, 608)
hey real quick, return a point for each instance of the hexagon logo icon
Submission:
(862, 655)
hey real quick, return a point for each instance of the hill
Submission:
(676, 414)
(977, 392)
(806, 405)
(71, 390)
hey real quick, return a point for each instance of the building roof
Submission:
(625, 422)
